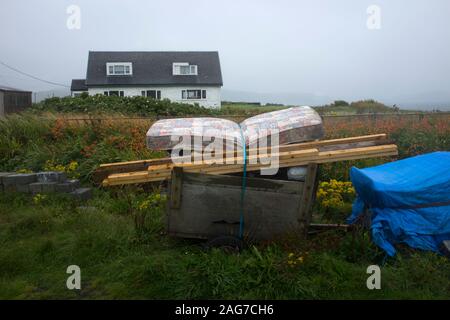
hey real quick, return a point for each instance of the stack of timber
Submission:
(292, 155)
(105, 170)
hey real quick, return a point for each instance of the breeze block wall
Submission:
(43, 182)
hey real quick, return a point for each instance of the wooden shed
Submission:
(13, 100)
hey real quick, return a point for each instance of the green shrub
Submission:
(370, 106)
(341, 103)
(113, 104)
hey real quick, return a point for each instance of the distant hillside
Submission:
(287, 98)
(427, 101)
(357, 107)
(338, 107)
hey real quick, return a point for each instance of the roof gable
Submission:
(78, 85)
(154, 68)
(5, 88)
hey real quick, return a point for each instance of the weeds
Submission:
(38, 243)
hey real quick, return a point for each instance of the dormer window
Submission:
(184, 69)
(119, 68)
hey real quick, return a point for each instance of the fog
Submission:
(299, 52)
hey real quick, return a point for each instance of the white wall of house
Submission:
(174, 94)
(76, 93)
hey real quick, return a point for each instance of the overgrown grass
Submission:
(412, 135)
(39, 241)
(29, 141)
(229, 108)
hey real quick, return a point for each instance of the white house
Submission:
(184, 76)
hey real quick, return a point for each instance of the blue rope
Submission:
(244, 187)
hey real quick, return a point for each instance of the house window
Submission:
(193, 94)
(184, 69)
(114, 93)
(154, 94)
(119, 68)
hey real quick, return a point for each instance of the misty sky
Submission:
(310, 47)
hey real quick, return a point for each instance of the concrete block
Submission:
(42, 187)
(24, 188)
(5, 174)
(82, 194)
(51, 176)
(9, 188)
(48, 187)
(19, 178)
(35, 187)
(68, 186)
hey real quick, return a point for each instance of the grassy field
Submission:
(39, 241)
(335, 108)
(243, 108)
(122, 258)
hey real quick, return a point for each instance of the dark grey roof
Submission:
(154, 68)
(78, 85)
(5, 88)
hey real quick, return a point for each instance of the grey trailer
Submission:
(205, 206)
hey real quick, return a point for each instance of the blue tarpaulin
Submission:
(409, 201)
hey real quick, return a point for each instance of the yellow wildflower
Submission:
(38, 198)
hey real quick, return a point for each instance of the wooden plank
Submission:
(293, 158)
(323, 157)
(269, 185)
(143, 177)
(363, 150)
(102, 173)
(140, 165)
(104, 170)
(354, 145)
(176, 187)
(308, 197)
(236, 161)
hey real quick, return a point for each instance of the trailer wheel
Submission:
(229, 244)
